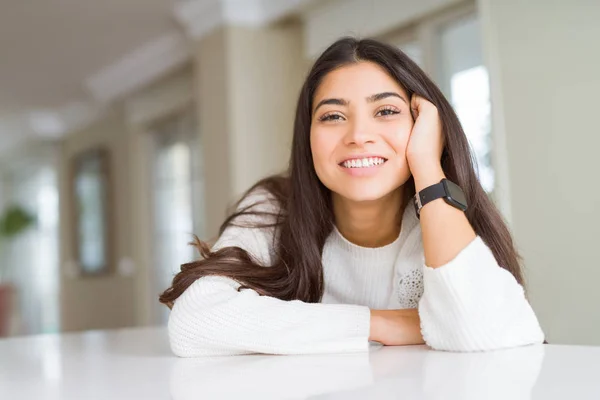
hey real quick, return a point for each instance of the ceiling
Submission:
(50, 48)
(62, 61)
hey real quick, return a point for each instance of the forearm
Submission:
(445, 229)
(212, 318)
(396, 327)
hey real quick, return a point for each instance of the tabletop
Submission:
(138, 364)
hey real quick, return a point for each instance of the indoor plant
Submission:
(13, 222)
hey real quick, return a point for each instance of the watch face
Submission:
(456, 194)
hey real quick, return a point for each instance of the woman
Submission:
(336, 254)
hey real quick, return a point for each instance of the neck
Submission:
(373, 223)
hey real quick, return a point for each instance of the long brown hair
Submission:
(305, 216)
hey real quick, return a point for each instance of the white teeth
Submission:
(363, 162)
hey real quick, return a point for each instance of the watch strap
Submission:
(430, 193)
(449, 191)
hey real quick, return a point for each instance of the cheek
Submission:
(401, 144)
(398, 139)
(322, 147)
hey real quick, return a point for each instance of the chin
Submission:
(362, 194)
(366, 191)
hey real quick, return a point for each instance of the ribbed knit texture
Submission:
(469, 304)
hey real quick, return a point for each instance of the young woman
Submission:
(340, 251)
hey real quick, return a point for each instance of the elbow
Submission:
(193, 336)
(203, 321)
(474, 344)
(180, 339)
(468, 329)
(187, 336)
(476, 336)
(179, 347)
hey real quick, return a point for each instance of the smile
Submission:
(366, 162)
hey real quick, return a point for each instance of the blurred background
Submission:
(127, 125)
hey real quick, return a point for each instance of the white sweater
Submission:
(469, 304)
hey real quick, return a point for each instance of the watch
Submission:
(445, 189)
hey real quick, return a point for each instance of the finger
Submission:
(414, 106)
(415, 101)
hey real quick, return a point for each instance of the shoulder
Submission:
(253, 226)
(265, 200)
(258, 200)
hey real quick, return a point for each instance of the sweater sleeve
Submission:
(472, 304)
(212, 317)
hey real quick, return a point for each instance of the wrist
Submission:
(426, 177)
(396, 327)
(375, 326)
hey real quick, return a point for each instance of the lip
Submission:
(360, 156)
(363, 172)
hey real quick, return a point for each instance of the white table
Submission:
(138, 364)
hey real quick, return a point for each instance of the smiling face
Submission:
(360, 128)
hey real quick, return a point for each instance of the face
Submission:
(360, 128)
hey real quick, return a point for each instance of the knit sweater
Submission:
(468, 304)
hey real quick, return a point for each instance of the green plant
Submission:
(13, 221)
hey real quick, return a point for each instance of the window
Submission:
(448, 47)
(92, 217)
(177, 199)
(465, 82)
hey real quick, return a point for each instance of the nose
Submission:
(359, 132)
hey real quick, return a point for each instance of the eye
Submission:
(387, 112)
(331, 117)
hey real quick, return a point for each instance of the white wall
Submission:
(267, 69)
(247, 84)
(545, 63)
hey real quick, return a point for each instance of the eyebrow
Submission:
(381, 96)
(371, 99)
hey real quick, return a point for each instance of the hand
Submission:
(396, 327)
(426, 142)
